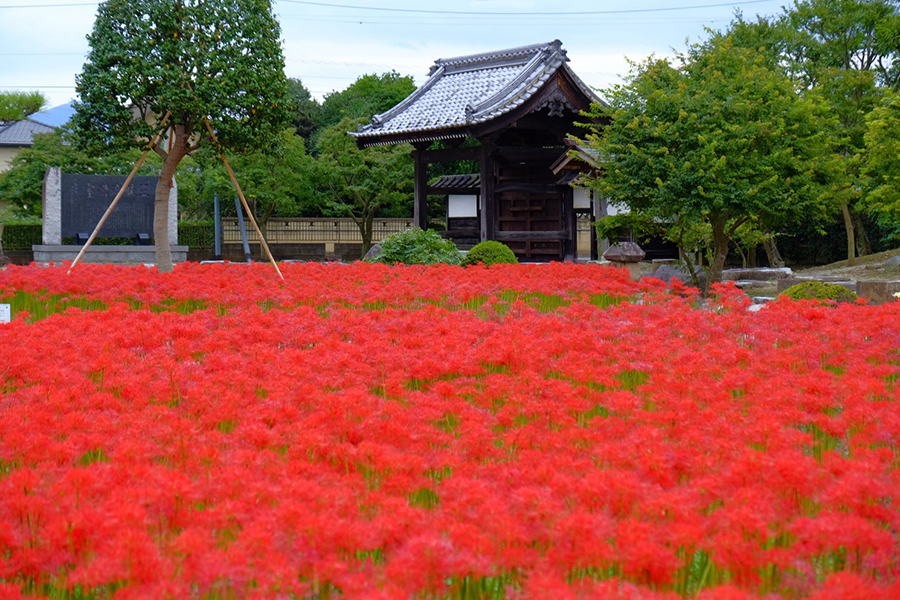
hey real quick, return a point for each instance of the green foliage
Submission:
(882, 168)
(197, 234)
(720, 138)
(21, 236)
(362, 183)
(846, 52)
(417, 247)
(819, 290)
(216, 60)
(15, 106)
(860, 35)
(23, 183)
(305, 111)
(280, 182)
(490, 252)
(216, 63)
(368, 96)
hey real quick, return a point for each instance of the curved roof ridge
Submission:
(525, 74)
(471, 90)
(380, 119)
(509, 96)
(497, 55)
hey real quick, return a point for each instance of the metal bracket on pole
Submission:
(243, 228)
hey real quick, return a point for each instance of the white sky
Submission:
(329, 43)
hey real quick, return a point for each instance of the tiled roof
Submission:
(21, 133)
(468, 90)
(457, 183)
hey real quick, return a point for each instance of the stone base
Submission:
(878, 292)
(115, 255)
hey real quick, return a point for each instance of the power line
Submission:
(579, 13)
(47, 5)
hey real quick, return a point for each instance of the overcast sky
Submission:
(329, 43)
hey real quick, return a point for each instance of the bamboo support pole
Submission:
(121, 193)
(240, 192)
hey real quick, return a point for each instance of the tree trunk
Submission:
(751, 258)
(161, 204)
(863, 245)
(744, 262)
(366, 225)
(848, 225)
(772, 252)
(720, 252)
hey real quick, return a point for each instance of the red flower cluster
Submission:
(388, 432)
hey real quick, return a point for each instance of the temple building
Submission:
(510, 112)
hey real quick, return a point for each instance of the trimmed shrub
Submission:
(417, 247)
(819, 290)
(21, 236)
(489, 253)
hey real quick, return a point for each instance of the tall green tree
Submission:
(218, 61)
(882, 165)
(281, 183)
(15, 106)
(848, 51)
(305, 111)
(362, 183)
(367, 96)
(719, 138)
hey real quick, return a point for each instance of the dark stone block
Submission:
(86, 197)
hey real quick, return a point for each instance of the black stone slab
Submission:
(86, 197)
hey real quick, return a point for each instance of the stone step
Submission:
(753, 284)
(757, 274)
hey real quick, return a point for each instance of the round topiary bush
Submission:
(417, 247)
(490, 253)
(819, 290)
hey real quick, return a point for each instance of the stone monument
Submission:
(74, 204)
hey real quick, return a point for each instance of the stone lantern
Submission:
(628, 255)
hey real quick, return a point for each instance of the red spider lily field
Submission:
(365, 431)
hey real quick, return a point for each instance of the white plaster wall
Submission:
(459, 206)
(6, 157)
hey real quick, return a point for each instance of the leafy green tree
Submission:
(882, 166)
(720, 138)
(15, 106)
(847, 51)
(368, 96)
(363, 183)
(278, 183)
(305, 111)
(216, 61)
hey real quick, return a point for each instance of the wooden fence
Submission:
(313, 231)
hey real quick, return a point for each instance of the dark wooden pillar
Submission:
(420, 195)
(488, 198)
(570, 248)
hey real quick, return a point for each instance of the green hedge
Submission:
(21, 236)
(197, 235)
